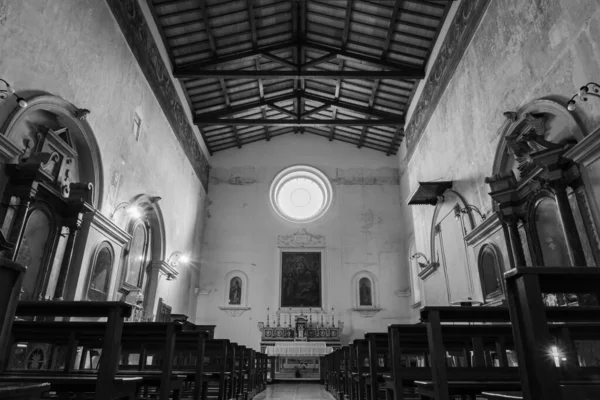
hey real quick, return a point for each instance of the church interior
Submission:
(300, 199)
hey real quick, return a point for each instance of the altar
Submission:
(296, 345)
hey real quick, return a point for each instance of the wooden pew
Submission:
(352, 370)
(529, 316)
(361, 368)
(16, 391)
(446, 382)
(105, 385)
(379, 364)
(344, 372)
(217, 369)
(145, 339)
(11, 279)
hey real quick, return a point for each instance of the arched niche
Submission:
(235, 298)
(151, 253)
(24, 125)
(365, 293)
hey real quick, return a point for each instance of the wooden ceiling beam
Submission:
(252, 20)
(317, 61)
(184, 73)
(399, 133)
(299, 123)
(363, 133)
(347, 23)
(211, 39)
(278, 60)
(244, 107)
(316, 110)
(282, 110)
(367, 60)
(352, 107)
(392, 26)
(238, 57)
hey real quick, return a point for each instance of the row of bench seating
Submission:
(523, 351)
(43, 356)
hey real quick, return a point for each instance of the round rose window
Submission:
(300, 193)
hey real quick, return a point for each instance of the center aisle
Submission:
(293, 391)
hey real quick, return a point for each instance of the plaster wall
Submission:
(522, 50)
(363, 231)
(75, 50)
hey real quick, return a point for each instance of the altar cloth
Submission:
(314, 349)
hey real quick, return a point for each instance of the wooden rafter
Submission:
(300, 75)
(300, 123)
(399, 133)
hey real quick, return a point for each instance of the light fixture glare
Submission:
(134, 212)
(184, 259)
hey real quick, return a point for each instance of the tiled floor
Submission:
(292, 391)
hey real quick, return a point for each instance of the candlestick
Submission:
(268, 317)
(278, 325)
(321, 319)
(310, 316)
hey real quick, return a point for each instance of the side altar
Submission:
(297, 343)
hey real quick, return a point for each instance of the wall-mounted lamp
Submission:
(4, 93)
(176, 259)
(418, 255)
(591, 89)
(467, 209)
(132, 210)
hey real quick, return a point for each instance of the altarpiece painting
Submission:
(301, 279)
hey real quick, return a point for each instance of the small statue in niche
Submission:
(364, 287)
(235, 291)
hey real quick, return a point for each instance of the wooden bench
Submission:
(446, 382)
(144, 340)
(21, 391)
(529, 316)
(379, 365)
(105, 384)
(361, 368)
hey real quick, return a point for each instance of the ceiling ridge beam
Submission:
(300, 123)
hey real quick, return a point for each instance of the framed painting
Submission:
(301, 279)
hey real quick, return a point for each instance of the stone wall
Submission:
(522, 51)
(74, 49)
(363, 231)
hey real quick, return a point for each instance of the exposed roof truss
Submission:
(344, 69)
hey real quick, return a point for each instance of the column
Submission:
(65, 264)
(512, 221)
(568, 222)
